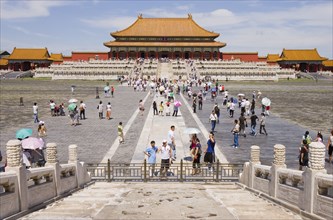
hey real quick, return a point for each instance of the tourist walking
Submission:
(100, 110)
(254, 118)
(330, 147)
(319, 137)
(112, 91)
(167, 109)
(151, 153)
(212, 119)
(120, 133)
(263, 124)
(304, 155)
(247, 107)
(194, 104)
(82, 109)
(175, 110)
(253, 105)
(242, 124)
(141, 107)
(161, 109)
(235, 132)
(166, 153)
(108, 111)
(232, 108)
(217, 112)
(200, 102)
(35, 111)
(155, 108)
(171, 141)
(209, 157)
(41, 129)
(306, 137)
(196, 155)
(52, 107)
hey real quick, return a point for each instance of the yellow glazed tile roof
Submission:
(3, 62)
(164, 27)
(57, 57)
(328, 63)
(164, 44)
(299, 55)
(273, 57)
(29, 54)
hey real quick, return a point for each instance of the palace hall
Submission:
(165, 38)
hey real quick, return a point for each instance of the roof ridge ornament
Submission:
(140, 16)
(189, 16)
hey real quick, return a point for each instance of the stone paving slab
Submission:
(163, 201)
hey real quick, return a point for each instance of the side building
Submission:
(165, 38)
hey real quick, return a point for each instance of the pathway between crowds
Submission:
(97, 142)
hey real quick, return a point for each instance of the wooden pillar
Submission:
(126, 54)
(117, 55)
(211, 56)
(22, 66)
(156, 54)
(201, 55)
(147, 55)
(308, 67)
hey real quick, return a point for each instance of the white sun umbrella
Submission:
(72, 100)
(266, 101)
(191, 131)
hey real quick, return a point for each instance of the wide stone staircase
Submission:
(119, 200)
(164, 71)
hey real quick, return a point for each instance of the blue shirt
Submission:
(152, 152)
(211, 146)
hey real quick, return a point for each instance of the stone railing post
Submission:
(52, 160)
(15, 163)
(255, 159)
(279, 162)
(82, 175)
(316, 166)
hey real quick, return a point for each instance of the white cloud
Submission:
(183, 7)
(27, 32)
(28, 8)
(110, 23)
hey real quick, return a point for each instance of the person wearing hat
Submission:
(166, 153)
(41, 129)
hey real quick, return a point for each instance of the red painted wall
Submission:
(86, 56)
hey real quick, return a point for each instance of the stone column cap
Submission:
(51, 145)
(279, 146)
(255, 147)
(13, 142)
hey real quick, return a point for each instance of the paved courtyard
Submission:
(97, 139)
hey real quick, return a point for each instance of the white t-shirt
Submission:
(35, 109)
(52, 105)
(165, 152)
(232, 106)
(171, 136)
(213, 117)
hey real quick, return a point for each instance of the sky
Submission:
(263, 26)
